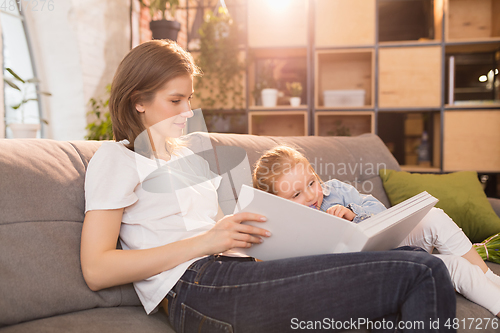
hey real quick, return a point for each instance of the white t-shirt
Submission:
(154, 213)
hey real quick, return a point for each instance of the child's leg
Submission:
(438, 230)
(470, 281)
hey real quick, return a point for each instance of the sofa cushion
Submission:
(460, 195)
(42, 205)
(109, 320)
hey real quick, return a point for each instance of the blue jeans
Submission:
(326, 292)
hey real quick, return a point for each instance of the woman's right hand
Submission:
(229, 233)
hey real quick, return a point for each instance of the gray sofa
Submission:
(41, 212)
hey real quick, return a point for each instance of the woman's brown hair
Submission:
(274, 163)
(144, 71)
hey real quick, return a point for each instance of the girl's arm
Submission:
(363, 205)
(105, 266)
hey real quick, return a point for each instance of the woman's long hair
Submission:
(144, 71)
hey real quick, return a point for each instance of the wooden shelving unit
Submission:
(401, 62)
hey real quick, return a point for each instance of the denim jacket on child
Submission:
(336, 192)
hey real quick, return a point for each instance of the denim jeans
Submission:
(316, 293)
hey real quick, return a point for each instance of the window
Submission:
(17, 56)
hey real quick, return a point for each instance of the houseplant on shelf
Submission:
(22, 129)
(267, 83)
(101, 128)
(163, 28)
(295, 90)
(219, 92)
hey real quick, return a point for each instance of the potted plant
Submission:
(163, 28)
(295, 90)
(221, 86)
(22, 129)
(267, 84)
(101, 128)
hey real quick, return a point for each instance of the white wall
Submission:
(77, 47)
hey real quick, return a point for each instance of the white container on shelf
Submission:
(269, 97)
(353, 97)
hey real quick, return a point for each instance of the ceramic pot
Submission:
(20, 131)
(295, 101)
(269, 97)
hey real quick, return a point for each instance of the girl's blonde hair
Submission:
(274, 163)
(144, 71)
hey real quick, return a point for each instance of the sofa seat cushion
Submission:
(131, 319)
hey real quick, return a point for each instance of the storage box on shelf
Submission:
(471, 140)
(346, 69)
(410, 77)
(344, 23)
(277, 23)
(472, 20)
(343, 123)
(279, 123)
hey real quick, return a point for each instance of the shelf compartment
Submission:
(278, 123)
(472, 140)
(277, 23)
(344, 23)
(410, 20)
(410, 77)
(343, 123)
(472, 19)
(344, 70)
(402, 133)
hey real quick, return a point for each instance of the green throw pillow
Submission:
(460, 195)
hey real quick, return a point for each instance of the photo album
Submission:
(298, 230)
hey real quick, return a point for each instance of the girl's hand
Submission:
(341, 211)
(229, 233)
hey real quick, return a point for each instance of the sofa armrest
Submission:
(495, 203)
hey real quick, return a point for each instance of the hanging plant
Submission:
(221, 83)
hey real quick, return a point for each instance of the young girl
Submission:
(172, 236)
(285, 172)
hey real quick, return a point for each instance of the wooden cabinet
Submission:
(410, 77)
(278, 123)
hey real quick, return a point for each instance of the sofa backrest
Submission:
(42, 205)
(41, 214)
(355, 160)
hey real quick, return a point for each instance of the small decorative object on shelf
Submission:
(163, 28)
(269, 97)
(22, 129)
(295, 90)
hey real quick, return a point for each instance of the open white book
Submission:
(299, 230)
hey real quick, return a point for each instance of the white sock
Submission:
(493, 277)
(470, 281)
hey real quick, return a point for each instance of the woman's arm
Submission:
(105, 266)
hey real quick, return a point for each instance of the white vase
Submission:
(269, 97)
(295, 101)
(24, 131)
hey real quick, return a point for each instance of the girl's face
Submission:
(301, 185)
(167, 113)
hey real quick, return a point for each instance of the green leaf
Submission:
(12, 84)
(33, 80)
(14, 75)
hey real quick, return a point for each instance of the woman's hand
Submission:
(229, 233)
(341, 211)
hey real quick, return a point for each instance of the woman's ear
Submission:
(140, 107)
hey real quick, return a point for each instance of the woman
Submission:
(172, 244)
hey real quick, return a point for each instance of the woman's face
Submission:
(301, 185)
(167, 113)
